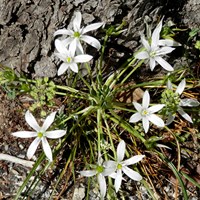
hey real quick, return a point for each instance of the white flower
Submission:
(153, 52)
(146, 114)
(68, 57)
(121, 166)
(100, 171)
(77, 34)
(40, 133)
(183, 102)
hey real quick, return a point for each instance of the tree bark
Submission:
(27, 27)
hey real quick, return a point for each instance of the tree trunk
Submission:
(27, 27)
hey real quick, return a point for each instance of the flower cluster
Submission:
(70, 49)
(155, 49)
(114, 169)
(174, 103)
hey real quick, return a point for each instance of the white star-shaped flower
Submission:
(68, 57)
(77, 34)
(40, 133)
(153, 52)
(183, 102)
(100, 171)
(146, 113)
(121, 166)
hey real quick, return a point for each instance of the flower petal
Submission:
(135, 118)
(82, 58)
(145, 43)
(181, 87)
(121, 150)
(72, 47)
(67, 41)
(170, 119)
(156, 120)
(145, 124)
(55, 134)
(63, 67)
(152, 63)
(77, 21)
(92, 27)
(30, 119)
(47, 149)
(169, 84)
(142, 55)
(156, 34)
(48, 121)
(145, 100)
(62, 32)
(102, 185)
(168, 42)
(25, 134)
(137, 106)
(79, 49)
(133, 160)
(32, 148)
(88, 173)
(118, 180)
(91, 41)
(189, 102)
(185, 115)
(132, 174)
(74, 67)
(164, 50)
(60, 46)
(164, 64)
(156, 108)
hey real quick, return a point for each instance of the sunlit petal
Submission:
(164, 64)
(25, 134)
(77, 21)
(145, 100)
(55, 134)
(152, 63)
(74, 67)
(82, 58)
(156, 108)
(135, 118)
(142, 55)
(145, 43)
(118, 180)
(63, 67)
(156, 120)
(168, 42)
(156, 34)
(60, 46)
(92, 27)
(48, 121)
(132, 174)
(164, 51)
(88, 173)
(32, 148)
(30, 119)
(102, 185)
(145, 124)
(137, 106)
(133, 160)
(169, 84)
(63, 32)
(181, 87)
(91, 41)
(185, 115)
(189, 102)
(121, 150)
(47, 149)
